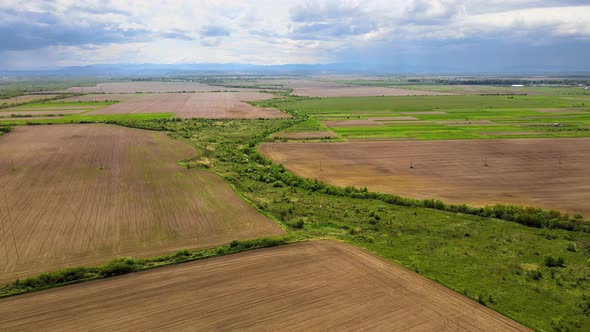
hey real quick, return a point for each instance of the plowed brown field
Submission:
(306, 134)
(215, 105)
(549, 173)
(312, 286)
(84, 194)
(134, 87)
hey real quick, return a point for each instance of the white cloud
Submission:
(67, 32)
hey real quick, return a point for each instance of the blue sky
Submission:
(492, 35)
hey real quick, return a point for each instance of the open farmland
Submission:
(153, 87)
(549, 173)
(312, 88)
(83, 194)
(447, 117)
(215, 105)
(320, 285)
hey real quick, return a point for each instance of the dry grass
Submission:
(84, 194)
(311, 286)
(549, 173)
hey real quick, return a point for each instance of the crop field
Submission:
(319, 285)
(216, 105)
(549, 173)
(448, 117)
(83, 194)
(153, 87)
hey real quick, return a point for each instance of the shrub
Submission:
(299, 224)
(118, 267)
(535, 275)
(551, 261)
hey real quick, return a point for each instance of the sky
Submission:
(470, 35)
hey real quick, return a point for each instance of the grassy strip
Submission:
(98, 118)
(121, 266)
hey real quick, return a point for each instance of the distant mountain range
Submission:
(179, 69)
(147, 69)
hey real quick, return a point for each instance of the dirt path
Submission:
(321, 285)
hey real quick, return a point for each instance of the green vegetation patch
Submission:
(98, 118)
(449, 117)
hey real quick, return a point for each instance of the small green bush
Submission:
(551, 261)
(299, 224)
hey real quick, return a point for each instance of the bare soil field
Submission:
(216, 105)
(392, 118)
(306, 134)
(352, 123)
(104, 191)
(24, 99)
(134, 87)
(466, 122)
(424, 113)
(312, 88)
(313, 286)
(548, 173)
(509, 133)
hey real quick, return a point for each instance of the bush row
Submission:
(122, 266)
(528, 216)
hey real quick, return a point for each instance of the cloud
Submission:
(62, 32)
(330, 19)
(215, 31)
(210, 42)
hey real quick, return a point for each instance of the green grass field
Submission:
(473, 116)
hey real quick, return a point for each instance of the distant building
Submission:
(517, 85)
